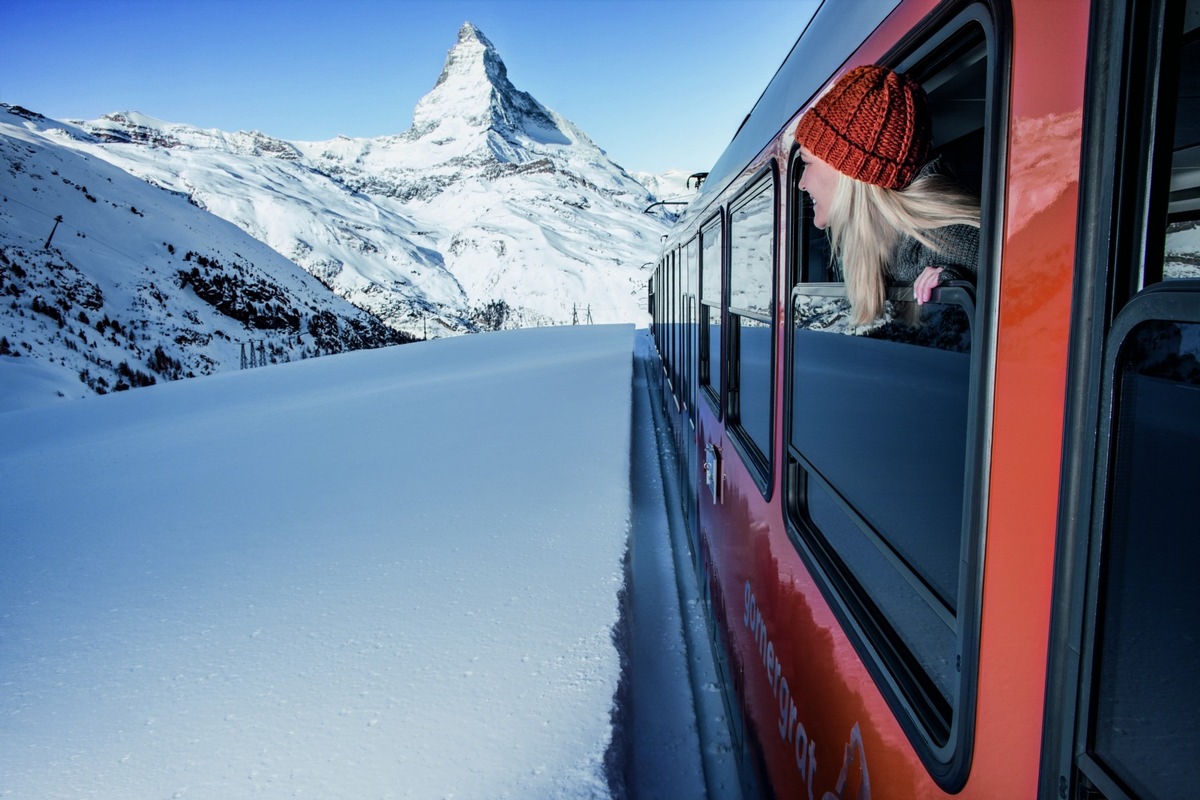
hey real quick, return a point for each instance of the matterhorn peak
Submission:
(474, 58)
(474, 105)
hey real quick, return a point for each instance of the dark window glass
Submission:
(883, 417)
(1149, 647)
(915, 622)
(879, 421)
(713, 326)
(754, 395)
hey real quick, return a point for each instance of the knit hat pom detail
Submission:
(872, 125)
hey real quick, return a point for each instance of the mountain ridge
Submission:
(503, 214)
(476, 144)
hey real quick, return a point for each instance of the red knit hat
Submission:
(873, 125)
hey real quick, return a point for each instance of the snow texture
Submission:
(389, 573)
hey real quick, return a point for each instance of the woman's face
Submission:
(819, 180)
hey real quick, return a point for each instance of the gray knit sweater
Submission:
(958, 256)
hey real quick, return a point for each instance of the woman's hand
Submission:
(925, 283)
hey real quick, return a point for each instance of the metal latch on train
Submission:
(712, 470)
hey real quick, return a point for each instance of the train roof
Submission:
(834, 32)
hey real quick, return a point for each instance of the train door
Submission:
(738, 448)
(711, 441)
(1122, 695)
(681, 367)
(711, 287)
(673, 362)
(669, 271)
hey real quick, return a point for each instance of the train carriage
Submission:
(951, 553)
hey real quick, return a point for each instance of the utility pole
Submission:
(57, 220)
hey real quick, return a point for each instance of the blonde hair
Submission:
(866, 222)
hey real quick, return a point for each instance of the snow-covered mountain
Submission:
(111, 283)
(489, 206)
(177, 249)
(675, 186)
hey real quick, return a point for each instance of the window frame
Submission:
(947, 757)
(1128, 141)
(673, 362)
(713, 393)
(1177, 301)
(690, 254)
(759, 463)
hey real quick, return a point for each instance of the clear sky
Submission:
(659, 84)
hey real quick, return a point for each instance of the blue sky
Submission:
(659, 84)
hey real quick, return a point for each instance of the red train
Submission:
(955, 553)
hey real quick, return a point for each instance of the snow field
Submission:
(391, 573)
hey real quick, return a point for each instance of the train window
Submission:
(667, 293)
(1123, 697)
(676, 318)
(1147, 654)
(711, 295)
(656, 306)
(650, 304)
(693, 281)
(668, 314)
(673, 271)
(751, 278)
(882, 471)
(878, 444)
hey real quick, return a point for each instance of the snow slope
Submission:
(109, 282)
(388, 573)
